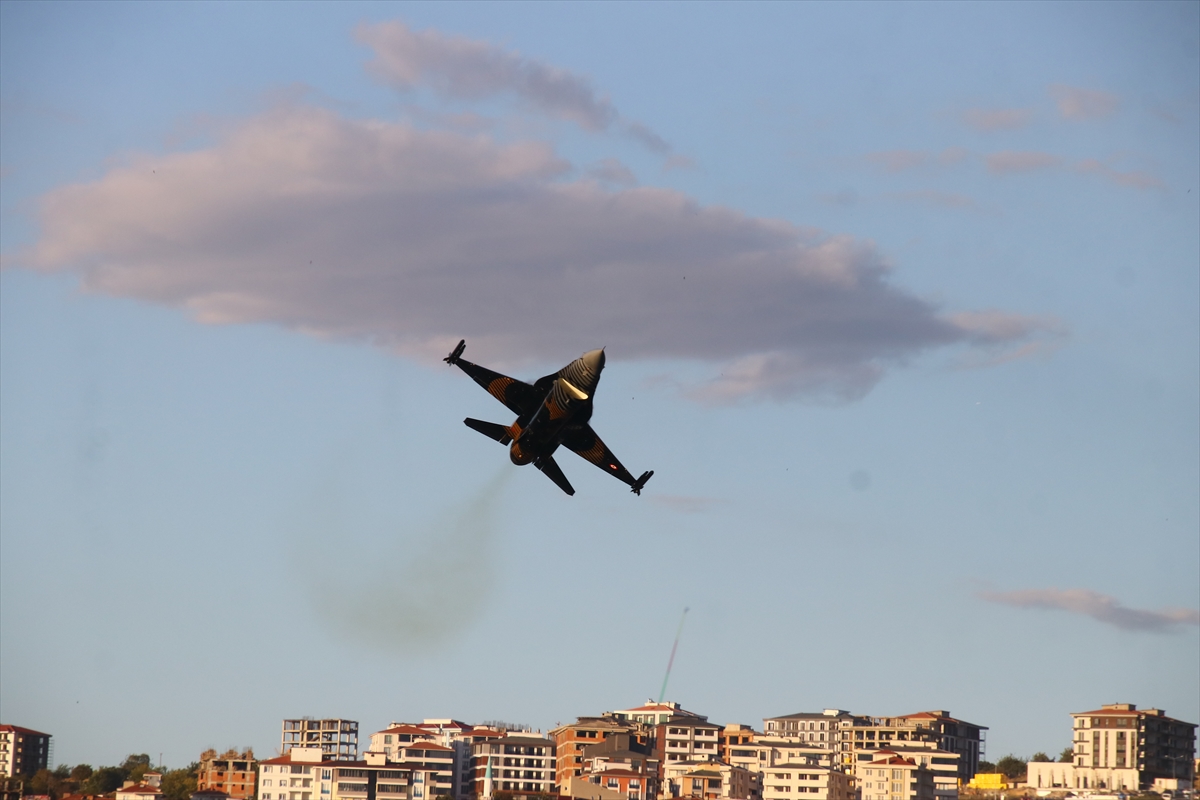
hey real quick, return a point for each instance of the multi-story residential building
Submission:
(460, 737)
(517, 763)
(392, 740)
(786, 781)
(890, 776)
(734, 735)
(571, 741)
(687, 738)
(845, 733)
(653, 713)
(819, 729)
(23, 751)
(231, 772)
(1119, 747)
(706, 779)
(620, 758)
(305, 774)
(942, 763)
(337, 738)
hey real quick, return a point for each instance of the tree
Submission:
(987, 766)
(178, 784)
(1040, 758)
(1067, 755)
(42, 782)
(136, 766)
(1011, 766)
(81, 772)
(105, 780)
(62, 772)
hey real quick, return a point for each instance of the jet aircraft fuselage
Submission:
(554, 410)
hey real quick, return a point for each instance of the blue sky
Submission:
(923, 424)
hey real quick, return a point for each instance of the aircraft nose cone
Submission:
(594, 359)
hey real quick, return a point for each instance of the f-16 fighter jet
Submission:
(553, 411)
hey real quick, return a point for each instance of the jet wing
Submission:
(520, 397)
(590, 447)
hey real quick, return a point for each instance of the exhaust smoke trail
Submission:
(418, 592)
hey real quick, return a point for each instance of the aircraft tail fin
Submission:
(489, 429)
(548, 465)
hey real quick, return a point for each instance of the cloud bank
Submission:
(413, 239)
(1099, 607)
(470, 69)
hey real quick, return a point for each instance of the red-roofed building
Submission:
(893, 777)
(23, 751)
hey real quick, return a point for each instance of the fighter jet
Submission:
(553, 411)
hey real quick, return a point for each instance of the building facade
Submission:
(516, 763)
(1119, 747)
(23, 751)
(709, 779)
(789, 781)
(890, 776)
(336, 738)
(230, 772)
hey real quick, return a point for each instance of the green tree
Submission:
(42, 782)
(1067, 755)
(1040, 758)
(1011, 766)
(81, 772)
(987, 766)
(105, 780)
(178, 784)
(136, 766)
(62, 772)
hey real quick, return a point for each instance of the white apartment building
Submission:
(706, 779)
(893, 777)
(688, 738)
(788, 781)
(23, 751)
(1118, 747)
(942, 763)
(517, 763)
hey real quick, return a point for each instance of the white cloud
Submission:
(471, 69)
(1100, 607)
(1082, 104)
(414, 239)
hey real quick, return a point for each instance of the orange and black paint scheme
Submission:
(552, 411)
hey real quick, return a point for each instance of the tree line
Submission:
(1014, 767)
(82, 779)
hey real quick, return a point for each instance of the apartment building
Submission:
(686, 738)
(23, 751)
(230, 772)
(890, 776)
(573, 740)
(942, 763)
(709, 779)
(605, 780)
(393, 739)
(653, 713)
(787, 781)
(516, 763)
(336, 738)
(305, 774)
(1118, 747)
(734, 735)
(840, 731)
(460, 737)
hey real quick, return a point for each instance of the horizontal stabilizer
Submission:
(489, 429)
(550, 468)
(640, 483)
